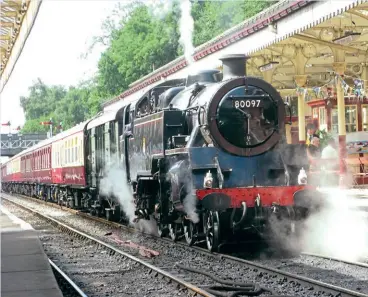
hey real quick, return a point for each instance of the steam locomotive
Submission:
(206, 157)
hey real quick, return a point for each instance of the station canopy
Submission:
(16, 21)
(312, 52)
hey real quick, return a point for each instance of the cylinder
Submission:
(234, 65)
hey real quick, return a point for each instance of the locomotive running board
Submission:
(210, 166)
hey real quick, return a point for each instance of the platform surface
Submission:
(25, 270)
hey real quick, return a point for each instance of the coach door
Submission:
(127, 134)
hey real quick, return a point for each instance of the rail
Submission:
(336, 259)
(67, 279)
(332, 289)
(71, 230)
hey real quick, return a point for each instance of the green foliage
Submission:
(214, 17)
(138, 43)
(143, 44)
(324, 137)
(44, 102)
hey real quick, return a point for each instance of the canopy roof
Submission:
(16, 21)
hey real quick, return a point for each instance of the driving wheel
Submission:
(190, 230)
(161, 230)
(212, 230)
(174, 231)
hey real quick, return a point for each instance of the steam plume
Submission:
(190, 203)
(337, 230)
(115, 184)
(160, 8)
(186, 30)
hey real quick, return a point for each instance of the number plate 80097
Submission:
(247, 103)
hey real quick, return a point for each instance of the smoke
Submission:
(186, 26)
(190, 203)
(160, 8)
(147, 226)
(337, 230)
(115, 184)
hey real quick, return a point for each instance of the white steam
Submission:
(337, 230)
(115, 184)
(147, 226)
(186, 26)
(190, 204)
(160, 8)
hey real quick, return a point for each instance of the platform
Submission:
(25, 270)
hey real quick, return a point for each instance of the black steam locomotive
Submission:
(209, 158)
(206, 157)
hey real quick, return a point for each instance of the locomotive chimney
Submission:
(233, 66)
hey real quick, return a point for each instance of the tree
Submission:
(214, 17)
(42, 100)
(143, 44)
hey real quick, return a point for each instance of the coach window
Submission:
(80, 150)
(59, 154)
(48, 157)
(75, 149)
(65, 152)
(69, 151)
(72, 151)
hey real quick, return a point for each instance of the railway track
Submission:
(355, 263)
(309, 284)
(68, 287)
(85, 240)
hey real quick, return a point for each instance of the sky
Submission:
(62, 32)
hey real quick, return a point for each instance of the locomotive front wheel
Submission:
(174, 231)
(162, 230)
(190, 232)
(212, 230)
